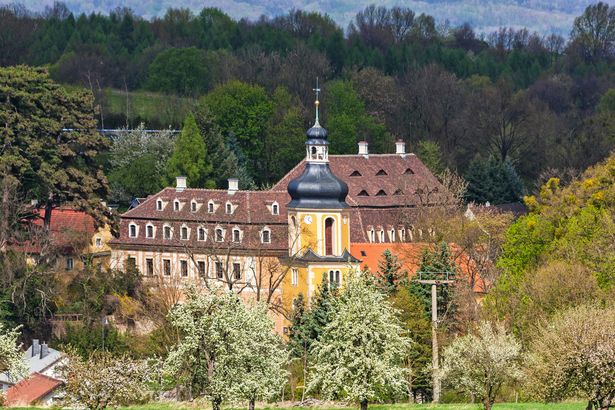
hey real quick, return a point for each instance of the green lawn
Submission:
(456, 406)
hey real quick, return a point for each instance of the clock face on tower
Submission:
(307, 219)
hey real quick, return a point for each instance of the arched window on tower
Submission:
(329, 223)
(313, 153)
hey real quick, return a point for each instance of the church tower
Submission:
(318, 215)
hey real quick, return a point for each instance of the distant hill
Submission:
(544, 16)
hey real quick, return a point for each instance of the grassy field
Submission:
(455, 406)
(154, 109)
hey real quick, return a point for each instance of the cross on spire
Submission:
(316, 103)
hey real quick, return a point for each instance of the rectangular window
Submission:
(219, 270)
(266, 237)
(167, 232)
(236, 235)
(184, 267)
(201, 266)
(193, 206)
(132, 231)
(131, 263)
(149, 266)
(70, 263)
(294, 278)
(149, 231)
(237, 271)
(166, 266)
(99, 242)
(219, 235)
(184, 233)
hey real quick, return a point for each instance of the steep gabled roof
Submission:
(30, 390)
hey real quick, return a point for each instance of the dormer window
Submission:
(402, 235)
(159, 205)
(167, 232)
(356, 173)
(381, 172)
(183, 233)
(149, 231)
(219, 235)
(398, 192)
(210, 207)
(229, 208)
(392, 235)
(372, 235)
(176, 205)
(363, 193)
(381, 235)
(275, 209)
(132, 230)
(381, 193)
(201, 234)
(408, 171)
(193, 206)
(236, 235)
(266, 236)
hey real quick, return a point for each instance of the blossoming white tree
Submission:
(480, 364)
(575, 355)
(11, 356)
(228, 350)
(359, 355)
(104, 381)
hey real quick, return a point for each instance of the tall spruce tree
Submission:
(189, 157)
(435, 263)
(390, 273)
(493, 181)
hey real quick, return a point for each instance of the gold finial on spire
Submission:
(316, 103)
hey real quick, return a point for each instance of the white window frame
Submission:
(216, 234)
(177, 206)
(263, 235)
(275, 209)
(238, 232)
(211, 207)
(98, 242)
(402, 234)
(294, 277)
(381, 235)
(226, 208)
(150, 225)
(130, 226)
(372, 235)
(198, 234)
(194, 206)
(181, 232)
(159, 205)
(164, 232)
(392, 235)
(147, 265)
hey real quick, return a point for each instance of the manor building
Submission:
(274, 244)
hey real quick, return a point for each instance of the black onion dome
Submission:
(317, 133)
(317, 187)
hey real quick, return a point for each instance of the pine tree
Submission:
(390, 274)
(189, 156)
(435, 263)
(493, 181)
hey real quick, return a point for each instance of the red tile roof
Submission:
(29, 391)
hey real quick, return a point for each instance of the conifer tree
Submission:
(493, 181)
(390, 274)
(435, 263)
(189, 157)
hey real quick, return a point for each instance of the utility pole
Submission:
(435, 357)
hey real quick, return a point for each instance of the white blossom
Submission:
(359, 356)
(11, 356)
(480, 364)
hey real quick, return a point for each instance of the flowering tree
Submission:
(480, 364)
(228, 349)
(359, 355)
(11, 356)
(575, 355)
(104, 381)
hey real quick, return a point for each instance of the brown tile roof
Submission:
(397, 176)
(29, 391)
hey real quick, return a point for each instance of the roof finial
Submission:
(316, 103)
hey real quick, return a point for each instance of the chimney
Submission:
(400, 147)
(363, 148)
(44, 350)
(180, 184)
(35, 348)
(233, 185)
